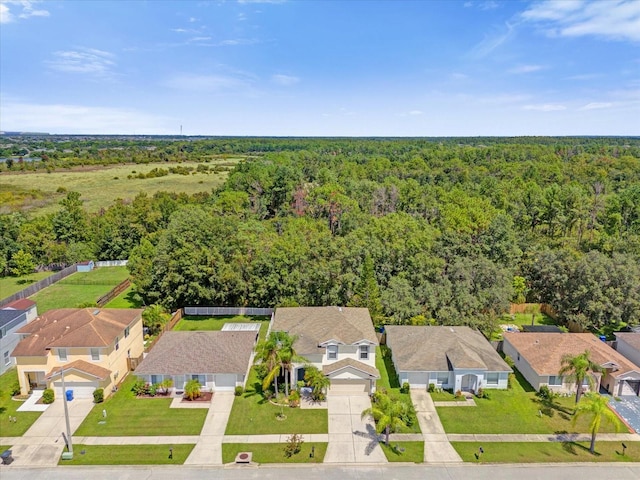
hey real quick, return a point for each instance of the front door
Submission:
(36, 380)
(468, 383)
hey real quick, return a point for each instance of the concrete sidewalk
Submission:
(437, 448)
(208, 449)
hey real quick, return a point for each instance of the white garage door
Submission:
(225, 382)
(80, 389)
(418, 379)
(348, 387)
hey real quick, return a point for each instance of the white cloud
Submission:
(493, 41)
(415, 112)
(284, 80)
(614, 19)
(526, 69)
(88, 61)
(65, 118)
(545, 107)
(24, 9)
(597, 105)
(207, 83)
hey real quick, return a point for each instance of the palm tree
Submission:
(288, 357)
(269, 354)
(576, 368)
(595, 406)
(317, 381)
(387, 412)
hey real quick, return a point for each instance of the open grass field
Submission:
(546, 452)
(252, 414)
(128, 454)
(8, 408)
(191, 323)
(274, 452)
(100, 186)
(126, 299)
(11, 285)
(404, 451)
(516, 410)
(131, 416)
(79, 288)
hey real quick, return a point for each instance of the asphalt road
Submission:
(389, 472)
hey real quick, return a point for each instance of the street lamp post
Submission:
(66, 413)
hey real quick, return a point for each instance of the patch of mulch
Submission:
(204, 397)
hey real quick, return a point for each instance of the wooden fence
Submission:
(113, 293)
(526, 308)
(36, 287)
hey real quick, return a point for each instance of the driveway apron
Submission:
(208, 449)
(437, 448)
(351, 439)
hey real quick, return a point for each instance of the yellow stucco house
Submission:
(91, 345)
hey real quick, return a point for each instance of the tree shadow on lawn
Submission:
(394, 381)
(573, 447)
(257, 390)
(526, 386)
(549, 408)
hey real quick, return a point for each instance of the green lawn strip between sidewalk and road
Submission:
(546, 452)
(404, 451)
(128, 454)
(131, 416)
(274, 452)
(252, 414)
(9, 407)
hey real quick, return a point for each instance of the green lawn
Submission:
(131, 416)
(128, 454)
(274, 452)
(546, 452)
(445, 396)
(126, 299)
(252, 414)
(404, 451)
(8, 408)
(11, 285)
(516, 410)
(193, 322)
(79, 288)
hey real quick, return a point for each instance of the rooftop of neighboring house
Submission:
(630, 338)
(20, 304)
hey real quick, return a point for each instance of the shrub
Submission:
(509, 361)
(431, 388)
(482, 393)
(238, 391)
(293, 446)
(294, 398)
(545, 393)
(48, 396)
(153, 389)
(458, 394)
(192, 389)
(15, 389)
(511, 380)
(405, 387)
(98, 395)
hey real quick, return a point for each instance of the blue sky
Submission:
(321, 68)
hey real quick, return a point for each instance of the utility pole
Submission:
(66, 413)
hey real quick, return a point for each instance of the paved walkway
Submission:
(351, 439)
(208, 449)
(437, 448)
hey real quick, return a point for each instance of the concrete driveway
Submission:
(351, 440)
(208, 449)
(42, 444)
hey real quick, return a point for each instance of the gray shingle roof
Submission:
(315, 325)
(438, 349)
(180, 353)
(632, 338)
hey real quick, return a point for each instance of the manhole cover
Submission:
(243, 457)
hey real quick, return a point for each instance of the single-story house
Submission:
(457, 358)
(628, 344)
(91, 345)
(538, 357)
(219, 360)
(340, 341)
(13, 316)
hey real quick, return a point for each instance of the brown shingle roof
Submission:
(179, 353)
(437, 349)
(74, 327)
(631, 338)
(20, 304)
(350, 362)
(315, 325)
(82, 366)
(544, 351)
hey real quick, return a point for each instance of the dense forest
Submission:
(443, 231)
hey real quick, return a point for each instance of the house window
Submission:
(95, 354)
(492, 378)
(117, 343)
(518, 357)
(155, 379)
(443, 377)
(126, 332)
(62, 354)
(202, 379)
(364, 352)
(555, 380)
(332, 352)
(7, 358)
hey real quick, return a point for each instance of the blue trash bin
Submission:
(69, 395)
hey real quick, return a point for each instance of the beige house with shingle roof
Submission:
(219, 360)
(538, 356)
(92, 345)
(457, 358)
(339, 341)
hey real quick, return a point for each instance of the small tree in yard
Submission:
(595, 406)
(155, 318)
(387, 412)
(293, 446)
(317, 381)
(22, 263)
(192, 389)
